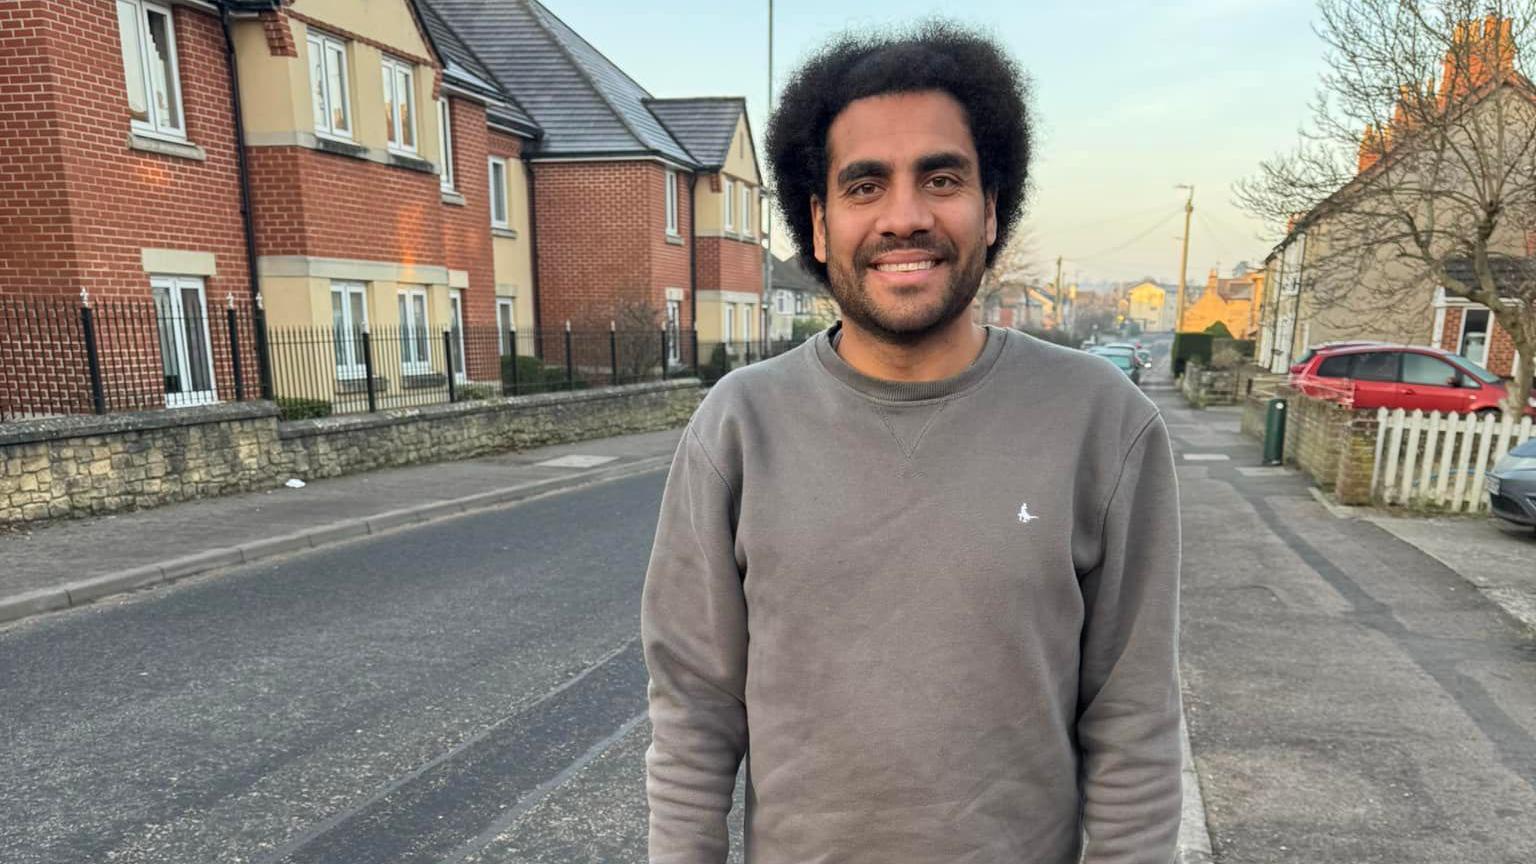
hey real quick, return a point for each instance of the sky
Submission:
(1130, 99)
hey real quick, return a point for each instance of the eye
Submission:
(864, 189)
(943, 182)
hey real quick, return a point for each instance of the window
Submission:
(674, 330)
(499, 216)
(349, 318)
(181, 317)
(445, 140)
(781, 302)
(727, 332)
(746, 210)
(730, 207)
(1376, 366)
(456, 325)
(149, 67)
(1474, 335)
(505, 321)
(1335, 367)
(328, 85)
(399, 105)
(415, 353)
(1429, 371)
(671, 194)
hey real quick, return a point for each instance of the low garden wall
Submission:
(1204, 387)
(1331, 443)
(77, 466)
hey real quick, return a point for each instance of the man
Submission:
(922, 575)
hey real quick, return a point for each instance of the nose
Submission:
(905, 211)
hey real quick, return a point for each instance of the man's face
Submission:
(905, 226)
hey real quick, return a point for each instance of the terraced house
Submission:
(438, 175)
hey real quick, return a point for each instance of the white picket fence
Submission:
(1439, 461)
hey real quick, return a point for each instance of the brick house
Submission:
(796, 296)
(643, 205)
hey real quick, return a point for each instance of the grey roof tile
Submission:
(584, 104)
(704, 126)
(463, 67)
(788, 275)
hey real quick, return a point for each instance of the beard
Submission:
(909, 323)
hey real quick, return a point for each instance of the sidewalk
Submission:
(72, 562)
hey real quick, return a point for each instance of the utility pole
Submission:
(1060, 311)
(766, 208)
(1189, 209)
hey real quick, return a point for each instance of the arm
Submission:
(693, 626)
(1128, 697)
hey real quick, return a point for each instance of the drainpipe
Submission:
(247, 218)
(533, 254)
(693, 266)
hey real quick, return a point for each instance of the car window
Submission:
(1428, 371)
(1376, 366)
(1335, 367)
(1476, 371)
(1526, 450)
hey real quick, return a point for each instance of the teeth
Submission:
(906, 266)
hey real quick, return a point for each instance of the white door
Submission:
(504, 321)
(415, 338)
(456, 324)
(349, 318)
(181, 315)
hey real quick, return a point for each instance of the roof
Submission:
(585, 105)
(705, 126)
(1509, 272)
(790, 276)
(462, 67)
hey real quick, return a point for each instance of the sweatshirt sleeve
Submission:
(1128, 697)
(693, 626)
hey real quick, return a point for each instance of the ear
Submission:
(991, 218)
(818, 229)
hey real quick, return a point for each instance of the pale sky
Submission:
(1130, 99)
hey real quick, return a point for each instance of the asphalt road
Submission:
(468, 691)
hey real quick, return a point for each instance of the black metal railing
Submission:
(82, 356)
(68, 356)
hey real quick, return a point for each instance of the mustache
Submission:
(934, 246)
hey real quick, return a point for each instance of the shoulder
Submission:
(746, 400)
(1067, 383)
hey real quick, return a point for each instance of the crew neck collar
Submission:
(909, 391)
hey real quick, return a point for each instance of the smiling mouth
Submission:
(905, 266)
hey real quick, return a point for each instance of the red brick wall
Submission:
(726, 264)
(602, 238)
(76, 204)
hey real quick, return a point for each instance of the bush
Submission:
(294, 408)
(1188, 345)
(472, 392)
(719, 364)
(1219, 330)
(534, 377)
(804, 328)
(1226, 357)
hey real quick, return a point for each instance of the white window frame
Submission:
(394, 119)
(496, 164)
(350, 366)
(746, 210)
(674, 331)
(671, 198)
(445, 140)
(727, 322)
(324, 44)
(456, 327)
(505, 305)
(178, 344)
(1461, 336)
(415, 334)
(728, 200)
(157, 125)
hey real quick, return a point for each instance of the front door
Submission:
(456, 325)
(181, 317)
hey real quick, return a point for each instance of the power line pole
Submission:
(1189, 209)
(1060, 313)
(767, 205)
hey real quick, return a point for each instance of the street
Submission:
(472, 690)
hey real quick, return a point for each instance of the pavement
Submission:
(69, 563)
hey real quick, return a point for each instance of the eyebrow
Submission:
(873, 168)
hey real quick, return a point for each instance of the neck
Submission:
(941, 355)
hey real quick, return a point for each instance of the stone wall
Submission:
(1205, 387)
(79, 466)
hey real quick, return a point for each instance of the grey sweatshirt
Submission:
(938, 619)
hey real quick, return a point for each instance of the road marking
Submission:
(576, 460)
(1207, 457)
(1265, 471)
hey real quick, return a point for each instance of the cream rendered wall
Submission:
(389, 22)
(514, 255)
(740, 166)
(274, 91)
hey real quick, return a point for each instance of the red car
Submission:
(1378, 375)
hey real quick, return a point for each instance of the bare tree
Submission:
(1014, 267)
(1418, 167)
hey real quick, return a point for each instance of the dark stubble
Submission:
(846, 280)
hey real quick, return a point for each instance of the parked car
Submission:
(1123, 361)
(1379, 375)
(1328, 346)
(1512, 486)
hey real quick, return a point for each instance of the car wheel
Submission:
(1488, 412)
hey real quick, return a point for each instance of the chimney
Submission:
(1371, 146)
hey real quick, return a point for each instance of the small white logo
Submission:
(1024, 516)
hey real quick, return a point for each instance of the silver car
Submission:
(1512, 486)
